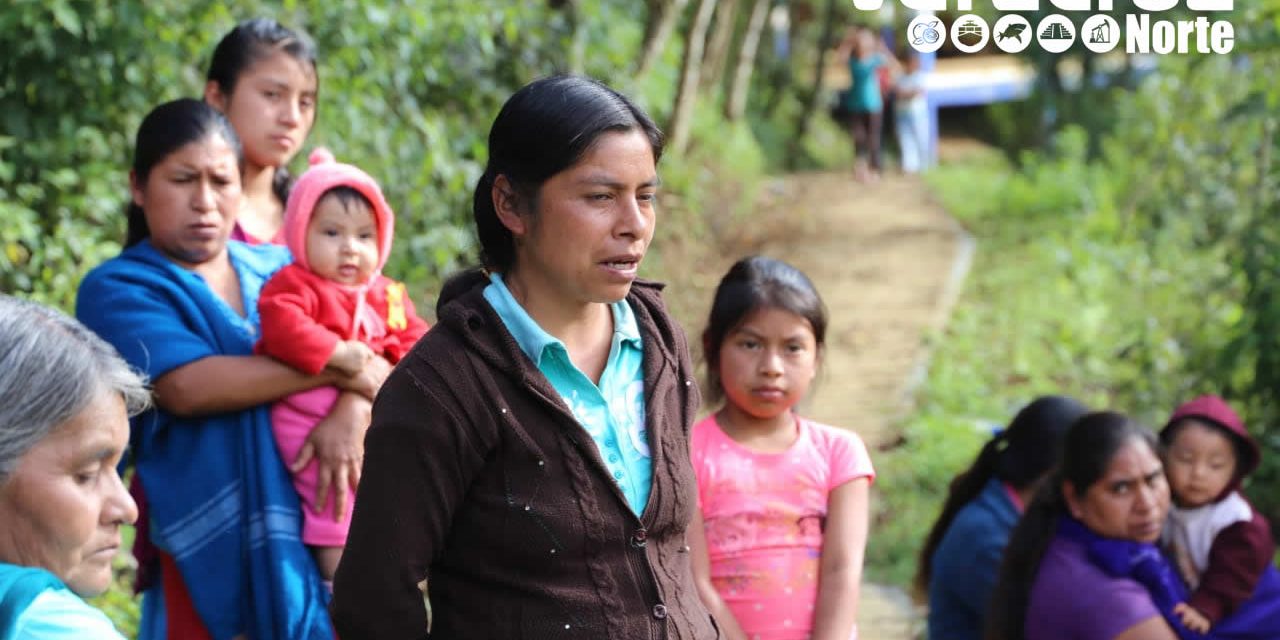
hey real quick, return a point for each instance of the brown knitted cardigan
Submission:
(478, 477)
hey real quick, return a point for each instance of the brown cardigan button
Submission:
(639, 538)
(660, 611)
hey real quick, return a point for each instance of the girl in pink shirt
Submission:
(782, 525)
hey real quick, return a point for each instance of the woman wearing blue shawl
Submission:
(179, 303)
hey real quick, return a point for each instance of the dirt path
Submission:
(888, 263)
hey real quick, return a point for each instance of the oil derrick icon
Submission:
(1055, 31)
(1101, 34)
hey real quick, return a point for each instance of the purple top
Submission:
(1074, 600)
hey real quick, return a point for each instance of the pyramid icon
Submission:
(1055, 31)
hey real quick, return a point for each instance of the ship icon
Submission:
(971, 32)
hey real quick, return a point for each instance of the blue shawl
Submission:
(1257, 619)
(221, 500)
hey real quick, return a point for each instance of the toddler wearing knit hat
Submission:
(332, 308)
(1220, 544)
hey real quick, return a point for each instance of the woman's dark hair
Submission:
(755, 283)
(246, 44)
(543, 129)
(166, 129)
(1087, 451)
(1019, 455)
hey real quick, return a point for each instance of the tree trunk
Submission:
(687, 95)
(577, 37)
(813, 101)
(740, 83)
(663, 21)
(780, 76)
(718, 46)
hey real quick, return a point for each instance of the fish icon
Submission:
(1012, 31)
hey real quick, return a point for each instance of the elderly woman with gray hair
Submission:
(65, 401)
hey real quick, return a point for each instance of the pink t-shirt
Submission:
(764, 515)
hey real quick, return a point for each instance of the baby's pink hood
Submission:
(324, 174)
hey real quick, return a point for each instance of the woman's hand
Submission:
(369, 379)
(337, 445)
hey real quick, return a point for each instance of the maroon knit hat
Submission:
(1215, 411)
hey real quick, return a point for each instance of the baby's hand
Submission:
(350, 356)
(1191, 619)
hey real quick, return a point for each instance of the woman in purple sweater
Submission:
(1109, 489)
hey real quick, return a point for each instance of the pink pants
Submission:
(292, 420)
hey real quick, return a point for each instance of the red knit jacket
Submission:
(304, 316)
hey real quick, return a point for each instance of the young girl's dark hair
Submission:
(1020, 455)
(1087, 451)
(246, 44)
(543, 129)
(756, 283)
(166, 129)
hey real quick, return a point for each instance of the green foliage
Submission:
(407, 92)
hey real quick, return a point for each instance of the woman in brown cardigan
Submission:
(530, 456)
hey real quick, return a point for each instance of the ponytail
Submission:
(282, 184)
(964, 489)
(497, 244)
(1019, 456)
(137, 230)
(1007, 613)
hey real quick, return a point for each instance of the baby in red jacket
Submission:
(331, 308)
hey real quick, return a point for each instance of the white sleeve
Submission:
(58, 614)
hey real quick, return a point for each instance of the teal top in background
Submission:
(864, 96)
(611, 412)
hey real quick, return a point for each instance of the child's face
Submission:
(342, 241)
(272, 108)
(1202, 462)
(767, 363)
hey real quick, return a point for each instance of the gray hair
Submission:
(51, 368)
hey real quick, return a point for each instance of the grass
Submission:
(1064, 297)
